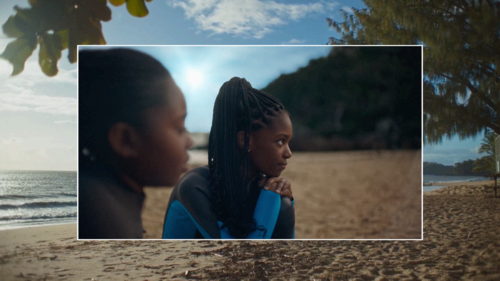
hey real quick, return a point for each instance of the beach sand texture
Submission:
(339, 195)
(461, 241)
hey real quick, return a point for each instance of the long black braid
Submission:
(238, 107)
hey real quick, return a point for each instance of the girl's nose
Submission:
(288, 152)
(189, 142)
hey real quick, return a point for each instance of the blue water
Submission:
(440, 179)
(30, 198)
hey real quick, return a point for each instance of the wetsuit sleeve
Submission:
(285, 225)
(189, 209)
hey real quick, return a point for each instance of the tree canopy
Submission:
(464, 168)
(57, 25)
(486, 163)
(370, 97)
(461, 41)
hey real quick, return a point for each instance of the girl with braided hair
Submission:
(131, 135)
(240, 194)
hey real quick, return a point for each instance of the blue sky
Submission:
(38, 129)
(200, 71)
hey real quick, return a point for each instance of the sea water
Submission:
(441, 179)
(30, 198)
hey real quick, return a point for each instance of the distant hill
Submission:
(355, 98)
(463, 168)
(431, 168)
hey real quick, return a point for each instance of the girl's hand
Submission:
(279, 185)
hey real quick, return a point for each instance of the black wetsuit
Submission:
(190, 213)
(107, 207)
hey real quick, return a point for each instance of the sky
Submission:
(200, 71)
(38, 129)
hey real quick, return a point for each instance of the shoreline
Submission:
(459, 242)
(38, 225)
(442, 185)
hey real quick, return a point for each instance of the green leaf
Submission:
(72, 53)
(10, 29)
(137, 8)
(99, 9)
(83, 30)
(27, 21)
(64, 36)
(50, 53)
(54, 14)
(117, 3)
(92, 33)
(18, 51)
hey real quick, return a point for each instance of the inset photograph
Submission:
(250, 142)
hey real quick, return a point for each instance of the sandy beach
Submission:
(460, 242)
(339, 195)
(53, 253)
(461, 226)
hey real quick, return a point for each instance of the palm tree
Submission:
(486, 163)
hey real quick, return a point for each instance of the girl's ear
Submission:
(124, 140)
(241, 140)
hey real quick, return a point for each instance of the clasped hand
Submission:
(279, 185)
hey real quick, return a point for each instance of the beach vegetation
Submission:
(461, 55)
(57, 25)
(486, 163)
(351, 99)
(464, 168)
(432, 168)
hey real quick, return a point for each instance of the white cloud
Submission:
(21, 156)
(29, 91)
(5, 141)
(294, 41)
(348, 9)
(255, 18)
(27, 100)
(32, 74)
(62, 122)
(475, 149)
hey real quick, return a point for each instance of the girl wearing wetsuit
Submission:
(240, 194)
(131, 134)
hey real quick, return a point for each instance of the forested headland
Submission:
(355, 98)
(458, 169)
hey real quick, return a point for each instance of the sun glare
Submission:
(194, 77)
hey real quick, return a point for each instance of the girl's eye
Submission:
(282, 141)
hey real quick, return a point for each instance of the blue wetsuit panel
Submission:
(179, 216)
(189, 213)
(265, 214)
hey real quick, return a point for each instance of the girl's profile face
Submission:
(164, 143)
(269, 149)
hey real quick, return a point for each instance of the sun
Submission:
(194, 77)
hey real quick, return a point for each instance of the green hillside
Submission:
(355, 98)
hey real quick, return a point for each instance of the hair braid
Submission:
(238, 107)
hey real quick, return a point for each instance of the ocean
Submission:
(29, 198)
(439, 179)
